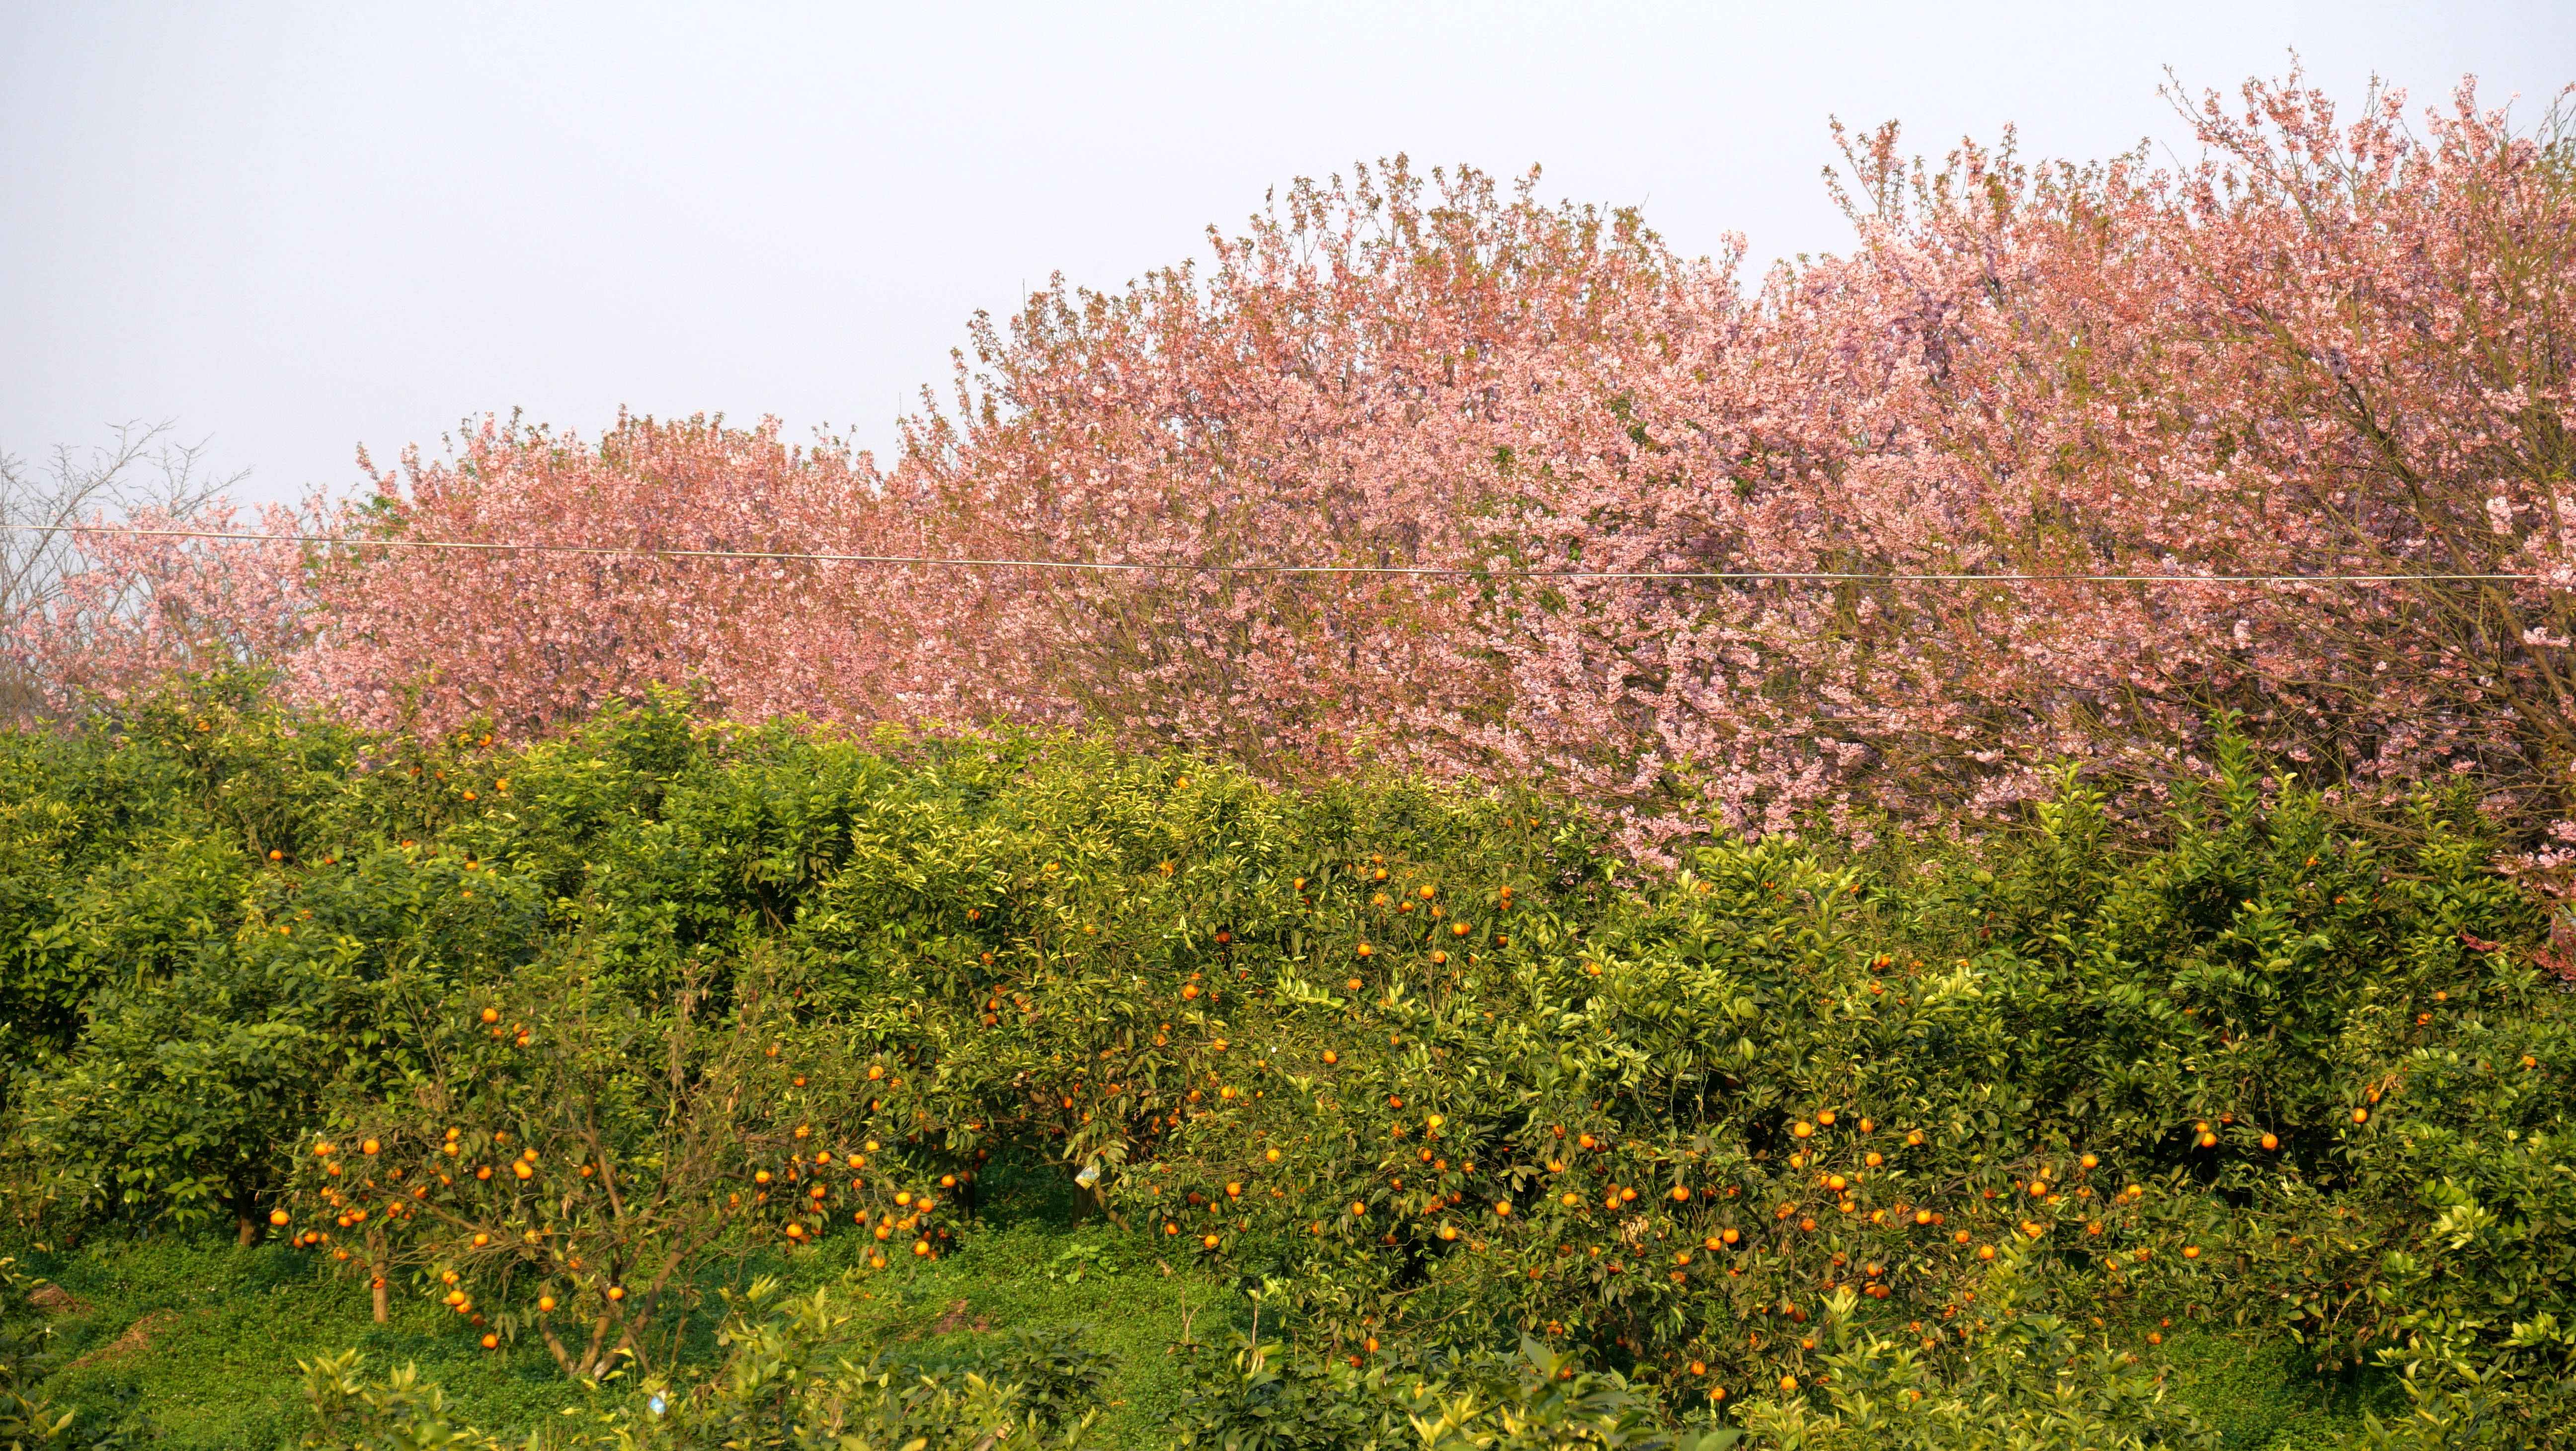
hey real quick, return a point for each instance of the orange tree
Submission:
(556, 1159)
(1674, 1129)
(1663, 1118)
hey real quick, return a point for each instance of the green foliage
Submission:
(2032, 1381)
(1433, 1064)
(25, 1422)
(1261, 1399)
(786, 1381)
(567, 1161)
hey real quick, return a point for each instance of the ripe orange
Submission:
(2361, 1115)
(2271, 1141)
(617, 1292)
(491, 1342)
(491, 1015)
(2191, 1251)
(545, 1303)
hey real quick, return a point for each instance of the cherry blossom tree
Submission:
(2054, 464)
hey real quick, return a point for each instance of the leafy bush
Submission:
(1436, 1063)
(786, 1381)
(564, 1161)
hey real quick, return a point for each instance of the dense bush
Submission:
(1431, 1066)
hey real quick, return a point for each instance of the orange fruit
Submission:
(545, 1303)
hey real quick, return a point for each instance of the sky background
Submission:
(294, 229)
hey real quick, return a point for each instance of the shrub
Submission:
(786, 1381)
(565, 1161)
(2280, 1066)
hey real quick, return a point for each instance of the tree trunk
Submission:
(379, 1275)
(248, 1228)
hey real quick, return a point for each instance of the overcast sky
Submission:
(298, 228)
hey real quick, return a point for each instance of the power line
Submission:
(1740, 576)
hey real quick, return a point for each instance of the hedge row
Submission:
(537, 1030)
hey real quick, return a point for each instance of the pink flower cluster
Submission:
(2333, 347)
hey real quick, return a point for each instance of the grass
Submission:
(201, 1337)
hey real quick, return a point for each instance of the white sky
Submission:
(296, 228)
